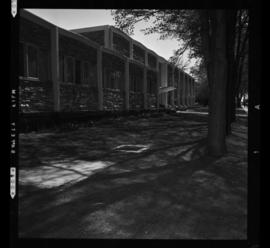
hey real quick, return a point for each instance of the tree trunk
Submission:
(217, 106)
(230, 104)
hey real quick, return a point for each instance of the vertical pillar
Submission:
(131, 49)
(188, 89)
(184, 89)
(195, 91)
(110, 38)
(172, 92)
(178, 89)
(107, 37)
(99, 79)
(55, 68)
(145, 58)
(145, 87)
(126, 88)
(164, 83)
(158, 83)
(192, 92)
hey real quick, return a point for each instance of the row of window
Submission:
(71, 70)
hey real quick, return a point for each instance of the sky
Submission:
(81, 18)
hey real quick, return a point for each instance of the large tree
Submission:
(204, 32)
(237, 43)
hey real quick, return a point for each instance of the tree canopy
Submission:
(182, 25)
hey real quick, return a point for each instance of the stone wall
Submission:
(135, 100)
(113, 99)
(35, 96)
(78, 97)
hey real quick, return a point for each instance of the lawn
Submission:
(133, 177)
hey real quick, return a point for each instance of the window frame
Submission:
(25, 75)
(87, 80)
(65, 69)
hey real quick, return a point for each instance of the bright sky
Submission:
(81, 18)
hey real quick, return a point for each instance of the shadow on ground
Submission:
(133, 178)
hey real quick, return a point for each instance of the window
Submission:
(152, 62)
(136, 83)
(69, 70)
(138, 54)
(151, 82)
(115, 80)
(86, 73)
(61, 68)
(78, 72)
(28, 61)
(112, 79)
(120, 44)
(32, 62)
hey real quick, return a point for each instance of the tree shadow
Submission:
(163, 192)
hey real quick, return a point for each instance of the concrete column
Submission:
(126, 88)
(164, 83)
(195, 91)
(55, 68)
(107, 38)
(110, 38)
(193, 96)
(184, 90)
(191, 91)
(145, 87)
(181, 88)
(146, 58)
(99, 79)
(188, 90)
(178, 89)
(131, 49)
(172, 92)
(158, 84)
(190, 82)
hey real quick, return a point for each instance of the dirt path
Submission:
(133, 178)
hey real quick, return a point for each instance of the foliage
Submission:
(184, 25)
(198, 71)
(179, 61)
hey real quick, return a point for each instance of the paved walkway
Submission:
(133, 177)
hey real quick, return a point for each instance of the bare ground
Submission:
(133, 178)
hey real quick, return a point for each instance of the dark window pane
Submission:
(69, 70)
(78, 71)
(86, 72)
(32, 62)
(61, 68)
